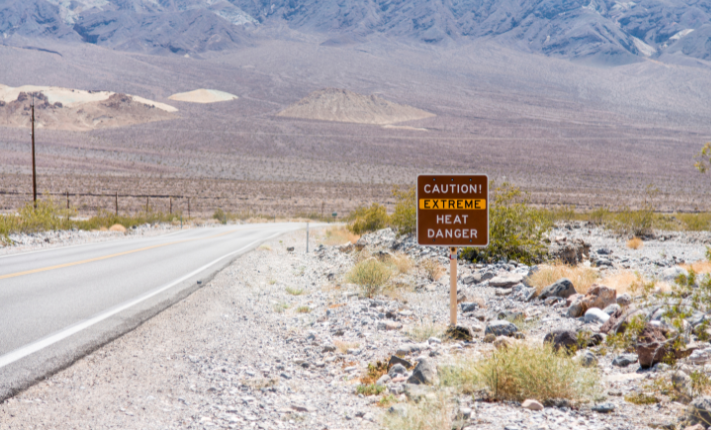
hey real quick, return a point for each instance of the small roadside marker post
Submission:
(452, 212)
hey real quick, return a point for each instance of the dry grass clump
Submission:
(402, 262)
(118, 228)
(432, 268)
(428, 414)
(425, 330)
(700, 267)
(635, 243)
(294, 291)
(581, 277)
(343, 347)
(370, 275)
(265, 247)
(339, 236)
(303, 309)
(538, 372)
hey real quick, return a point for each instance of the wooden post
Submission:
(188, 207)
(170, 199)
(67, 199)
(453, 286)
(34, 170)
(146, 204)
(116, 203)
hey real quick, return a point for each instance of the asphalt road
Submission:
(59, 304)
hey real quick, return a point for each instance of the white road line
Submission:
(33, 347)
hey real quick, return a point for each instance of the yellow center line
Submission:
(106, 257)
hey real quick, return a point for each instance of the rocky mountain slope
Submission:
(606, 31)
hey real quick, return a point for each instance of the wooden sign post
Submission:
(453, 211)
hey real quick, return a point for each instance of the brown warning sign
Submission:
(453, 210)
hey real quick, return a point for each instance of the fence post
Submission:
(67, 199)
(146, 204)
(170, 199)
(188, 207)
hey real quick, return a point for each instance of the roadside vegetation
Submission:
(48, 216)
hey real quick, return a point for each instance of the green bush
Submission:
(370, 275)
(365, 219)
(405, 216)
(516, 229)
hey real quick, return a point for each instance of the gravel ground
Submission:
(278, 340)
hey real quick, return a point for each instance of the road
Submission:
(60, 304)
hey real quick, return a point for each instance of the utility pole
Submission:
(34, 170)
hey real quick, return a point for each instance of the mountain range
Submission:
(602, 31)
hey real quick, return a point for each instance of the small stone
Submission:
(434, 340)
(394, 360)
(596, 316)
(624, 360)
(465, 413)
(507, 281)
(624, 300)
(397, 369)
(518, 335)
(612, 309)
(389, 325)
(531, 404)
(567, 339)
(425, 372)
(588, 359)
(489, 338)
(561, 288)
(502, 342)
(604, 408)
(329, 348)
(501, 328)
(469, 307)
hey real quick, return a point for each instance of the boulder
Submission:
(501, 328)
(600, 296)
(624, 360)
(624, 300)
(397, 369)
(394, 359)
(471, 279)
(561, 288)
(531, 404)
(596, 316)
(567, 339)
(569, 251)
(700, 410)
(576, 309)
(469, 307)
(425, 372)
(669, 275)
(574, 298)
(506, 281)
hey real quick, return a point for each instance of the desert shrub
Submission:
(374, 372)
(404, 219)
(432, 268)
(303, 309)
(635, 243)
(294, 291)
(581, 277)
(428, 414)
(339, 236)
(370, 275)
(462, 375)
(538, 372)
(220, 215)
(639, 398)
(516, 229)
(370, 389)
(343, 347)
(365, 219)
(402, 262)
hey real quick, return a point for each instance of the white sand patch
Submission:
(203, 96)
(681, 34)
(71, 97)
(644, 48)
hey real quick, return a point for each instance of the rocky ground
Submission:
(281, 340)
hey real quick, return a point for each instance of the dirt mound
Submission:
(203, 96)
(333, 104)
(77, 110)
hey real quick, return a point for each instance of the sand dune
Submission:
(203, 96)
(338, 105)
(78, 110)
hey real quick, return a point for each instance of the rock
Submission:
(471, 279)
(397, 369)
(694, 427)
(425, 372)
(599, 296)
(397, 360)
(561, 288)
(346, 248)
(501, 328)
(502, 342)
(502, 292)
(618, 321)
(567, 339)
(612, 309)
(652, 346)
(588, 359)
(477, 328)
(383, 380)
(465, 413)
(290, 249)
(389, 325)
(407, 349)
(596, 316)
(669, 275)
(604, 408)
(531, 404)
(576, 309)
(434, 340)
(329, 348)
(624, 300)
(603, 262)
(469, 307)
(523, 293)
(518, 335)
(399, 410)
(700, 356)
(624, 360)
(302, 408)
(569, 252)
(682, 386)
(700, 410)
(489, 338)
(574, 298)
(506, 281)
